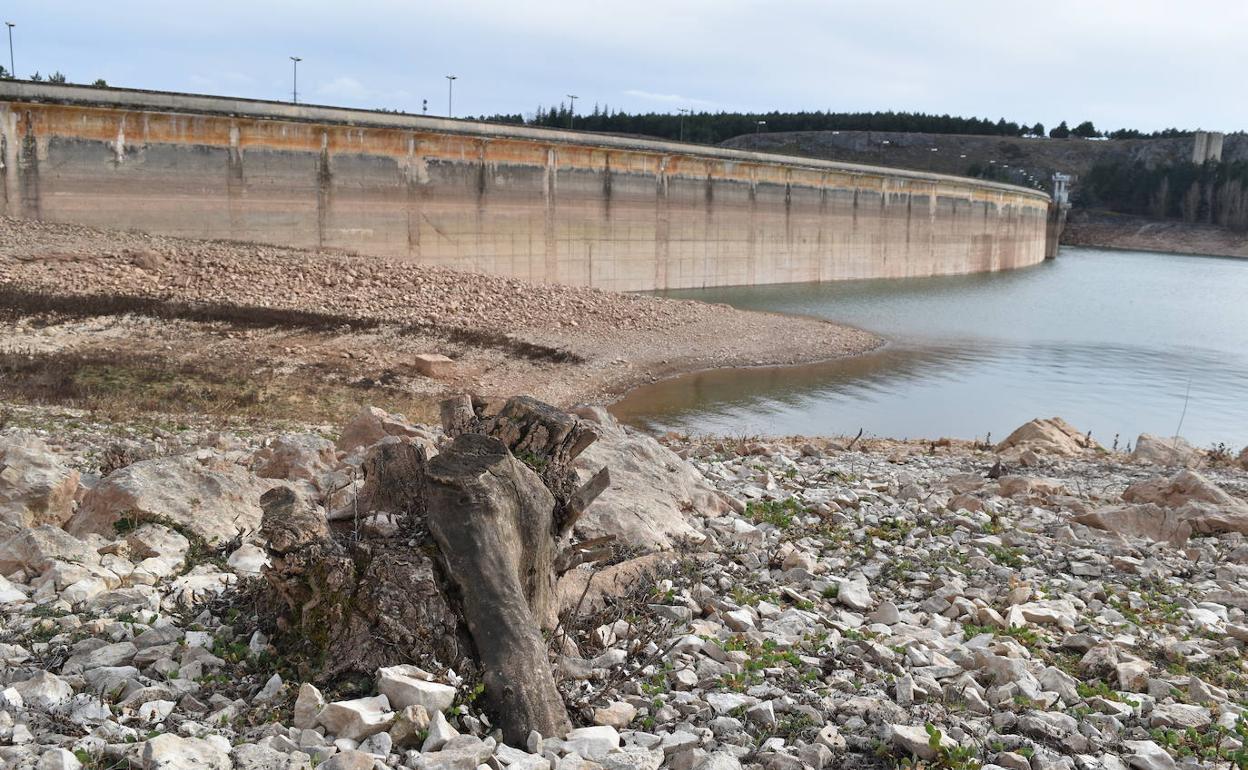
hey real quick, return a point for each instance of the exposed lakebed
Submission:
(1115, 342)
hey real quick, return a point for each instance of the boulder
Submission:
(463, 752)
(44, 691)
(855, 594)
(618, 715)
(593, 743)
(349, 760)
(371, 425)
(1171, 450)
(58, 759)
(1146, 521)
(410, 726)
(1184, 487)
(36, 486)
(298, 457)
(1205, 506)
(357, 719)
(251, 756)
(439, 732)
(433, 365)
(1147, 755)
(308, 705)
(1029, 486)
(915, 740)
(10, 593)
(653, 491)
(1182, 716)
(217, 503)
(248, 559)
(1053, 436)
(407, 685)
(156, 541)
(35, 549)
(172, 752)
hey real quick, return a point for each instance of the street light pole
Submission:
(294, 86)
(12, 69)
(683, 112)
(450, 93)
(572, 111)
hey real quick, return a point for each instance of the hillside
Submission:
(1037, 158)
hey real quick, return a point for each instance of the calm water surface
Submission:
(1114, 342)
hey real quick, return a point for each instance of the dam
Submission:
(537, 204)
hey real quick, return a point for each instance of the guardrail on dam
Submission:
(539, 204)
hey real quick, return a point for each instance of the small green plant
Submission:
(778, 513)
(535, 462)
(1005, 556)
(950, 757)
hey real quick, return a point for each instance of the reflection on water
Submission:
(1115, 342)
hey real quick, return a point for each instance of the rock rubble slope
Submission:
(815, 607)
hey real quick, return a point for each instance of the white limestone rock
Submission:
(44, 691)
(215, 500)
(36, 486)
(407, 685)
(357, 719)
(593, 743)
(172, 752)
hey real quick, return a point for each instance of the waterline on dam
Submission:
(1115, 342)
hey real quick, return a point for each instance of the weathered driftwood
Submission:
(468, 575)
(492, 518)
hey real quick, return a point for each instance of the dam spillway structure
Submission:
(538, 204)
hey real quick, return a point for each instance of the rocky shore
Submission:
(291, 317)
(1044, 604)
(1122, 231)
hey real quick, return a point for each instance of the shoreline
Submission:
(1123, 232)
(317, 334)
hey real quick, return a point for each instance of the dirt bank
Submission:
(1122, 231)
(115, 320)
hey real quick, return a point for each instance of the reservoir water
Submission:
(1116, 342)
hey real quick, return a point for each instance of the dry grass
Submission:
(120, 386)
(18, 303)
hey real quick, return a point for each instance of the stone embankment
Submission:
(1041, 605)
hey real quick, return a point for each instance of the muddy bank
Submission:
(1122, 231)
(315, 334)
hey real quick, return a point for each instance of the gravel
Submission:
(851, 608)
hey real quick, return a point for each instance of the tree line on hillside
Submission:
(56, 77)
(1213, 193)
(716, 127)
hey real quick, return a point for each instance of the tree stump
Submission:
(484, 503)
(467, 578)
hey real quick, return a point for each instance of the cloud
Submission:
(667, 98)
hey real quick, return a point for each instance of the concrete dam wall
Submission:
(538, 204)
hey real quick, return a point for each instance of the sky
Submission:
(1146, 64)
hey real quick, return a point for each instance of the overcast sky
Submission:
(1144, 64)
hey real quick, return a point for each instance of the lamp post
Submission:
(12, 69)
(450, 94)
(294, 86)
(572, 111)
(683, 112)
